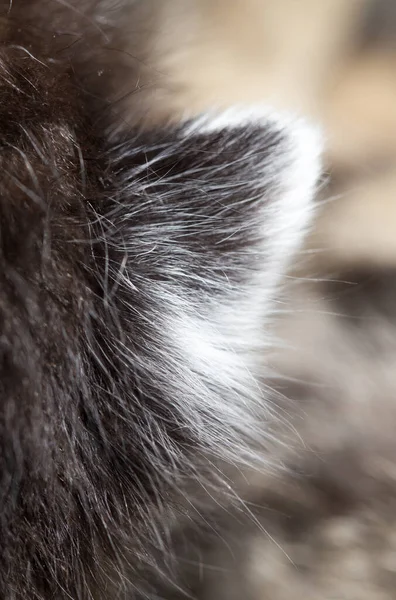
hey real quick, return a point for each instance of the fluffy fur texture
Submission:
(137, 272)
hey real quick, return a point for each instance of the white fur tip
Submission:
(237, 117)
(306, 140)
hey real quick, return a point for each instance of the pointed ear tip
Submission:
(302, 148)
(305, 139)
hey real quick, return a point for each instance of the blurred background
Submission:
(333, 61)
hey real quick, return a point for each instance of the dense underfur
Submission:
(137, 273)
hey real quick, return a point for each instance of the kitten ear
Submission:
(220, 196)
(199, 223)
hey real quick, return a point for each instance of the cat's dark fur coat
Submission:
(137, 272)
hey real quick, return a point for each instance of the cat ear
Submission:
(199, 222)
(214, 200)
